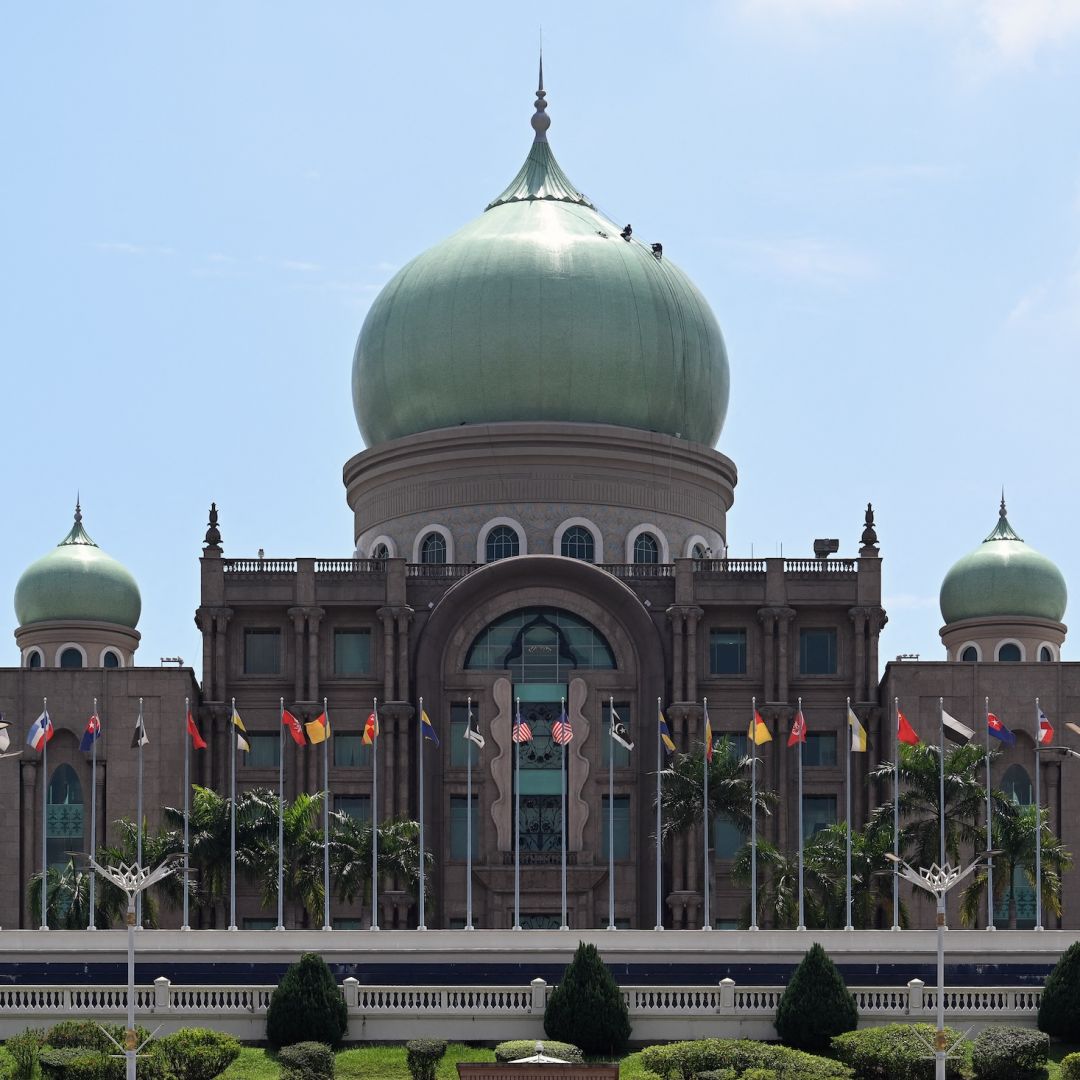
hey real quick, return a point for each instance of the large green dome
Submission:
(77, 581)
(1003, 577)
(540, 310)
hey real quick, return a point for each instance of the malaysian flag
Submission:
(522, 732)
(561, 730)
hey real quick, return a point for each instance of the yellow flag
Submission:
(318, 730)
(758, 731)
(241, 742)
(858, 733)
(237, 722)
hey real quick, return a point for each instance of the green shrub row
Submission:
(1010, 1054)
(1059, 1007)
(894, 1052)
(519, 1048)
(687, 1060)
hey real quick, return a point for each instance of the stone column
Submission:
(877, 619)
(693, 615)
(204, 620)
(858, 619)
(404, 617)
(297, 616)
(675, 615)
(784, 617)
(221, 623)
(387, 616)
(314, 617)
(29, 773)
(767, 617)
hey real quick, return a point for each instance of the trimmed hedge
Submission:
(1010, 1054)
(894, 1052)
(71, 1063)
(587, 1007)
(519, 1048)
(422, 1056)
(306, 1006)
(685, 1060)
(717, 1074)
(1059, 1008)
(815, 1005)
(306, 1061)
(1070, 1067)
(198, 1053)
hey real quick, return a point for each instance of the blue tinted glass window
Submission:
(433, 548)
(502, 543)
(646, 549)
(578, 543)
(817, 652)
(727, 652)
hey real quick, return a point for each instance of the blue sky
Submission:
(880, 199)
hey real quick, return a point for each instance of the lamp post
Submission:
(937, 881)
(132, 880)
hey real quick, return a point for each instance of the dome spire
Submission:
(77, 535)
(78, 510)
(1002, 530)
(540, 120)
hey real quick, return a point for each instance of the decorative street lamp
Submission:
(132, 880)
(937, 881)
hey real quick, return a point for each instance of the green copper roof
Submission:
(540, 310)
(77, 581)
(1003, 577)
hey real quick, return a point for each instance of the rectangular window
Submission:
(621, 824)
(726, 924)
(349, 924)
(460, 747)
(459, 825)
(819, 811)
(737, 740)
(817, 652)
(357, 807)
(727, 838)
(262, 652)
(727, 652)
(352, 652)
(819, 748)
(350, 751)
(265, 752)
(622, 755)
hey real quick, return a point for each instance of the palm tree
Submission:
(350, 854)
(965, 798)
(778, 886)
(682, 790)
(157, 846)
(1014, 839)
(68, 898)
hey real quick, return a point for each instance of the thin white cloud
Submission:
(807, 258)
(298, 265)
(121, 248)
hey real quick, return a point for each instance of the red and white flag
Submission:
(1046, 732)
(798, 729)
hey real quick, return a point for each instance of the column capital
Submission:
(783, 614)
(684, 611)
(314, 616)
(871, 613)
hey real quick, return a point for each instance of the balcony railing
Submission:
(259, 566)
(730, 567)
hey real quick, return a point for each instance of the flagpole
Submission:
(989, 831)
(326, 817)
(611, 814)
(139, 814)
(753, 816)
(1038, 821)
(232, 823)
(706, 921)
(93, 822)
(563, 925)
(802, 907)
(468, 818)
(847, 831)
(517, 820)
(941, 784)
(187, 790)
(659, 921)
(375, 819)
(45, 817)
(281, 820)
(420, 775)
(896, 819)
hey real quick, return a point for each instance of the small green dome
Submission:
(1003, 577)
(539, 309)
(77, 581)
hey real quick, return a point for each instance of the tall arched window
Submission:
(380, 551)
(502, 543)
(1016, 785)
(1010, 652)
(71, 658)
(970, 654)
(578, 543)
(110, 659)
(646, 549)
(433, 548)
(1046, 655)
(33, 659)
(64, 823)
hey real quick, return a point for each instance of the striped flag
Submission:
(665, 733)
(758, 732)
(522, 732)
(708, 737)
(238, 727)
(858, 733)
(294, 727)
(1046, 732)
(562, 731)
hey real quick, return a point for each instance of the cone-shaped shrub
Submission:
(587, 1007)
(816, 1004)
(306, 1006)
(1059, 1011)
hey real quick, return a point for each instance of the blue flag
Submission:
(91, 734)
(426, 728)
(999, 730)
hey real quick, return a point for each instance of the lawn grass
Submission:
(374, 1062)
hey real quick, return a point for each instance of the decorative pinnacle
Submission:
(540, 119)
(869, 534)
(213, 534)
(1001, 510)
(78, 510)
